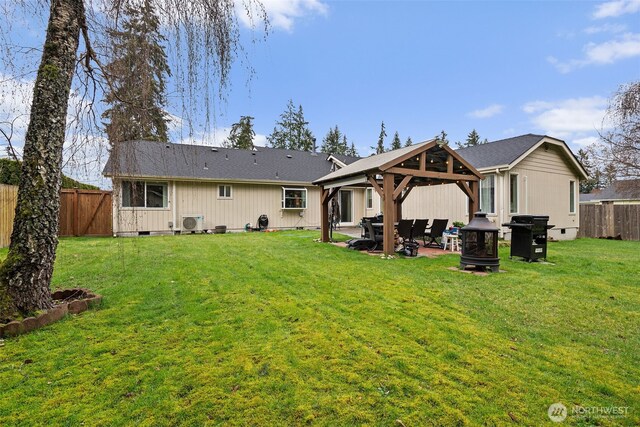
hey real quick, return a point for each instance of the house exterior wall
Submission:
(544, 180)
(437, 201)
(543, 189)
(247, 203)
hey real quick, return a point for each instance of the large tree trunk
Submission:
(25, 276)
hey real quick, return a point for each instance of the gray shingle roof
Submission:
(368, 163)
(498, 153)
(620, 190)
(155, 159)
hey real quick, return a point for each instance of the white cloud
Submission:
(586, 141)
(568, 118)
(283, 13)
(217, 137)
(485, 113)
(606, 28)
(615, 8)
(627, 46)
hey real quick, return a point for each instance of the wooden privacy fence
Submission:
(8, 197)
(82, 212)
(85, 213)
(612, 220)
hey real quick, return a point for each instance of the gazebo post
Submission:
(423, 164)
(474, 202)
(324, 214)
(388, 213)
(326, 194)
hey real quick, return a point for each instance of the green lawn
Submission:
(276, 329)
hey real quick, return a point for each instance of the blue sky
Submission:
(504, 68)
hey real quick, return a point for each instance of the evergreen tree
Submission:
(292, 131)
(335, 142)
(138, 71)
(241, 135)
(409, 142)
(442, 138)
(473, 139)
(380, 147)
(27, 268)
(395, 144)
(352, 150)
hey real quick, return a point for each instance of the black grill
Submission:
(529, 236)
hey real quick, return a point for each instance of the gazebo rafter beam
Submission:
(403, 184)
(431, 174)
(376, 186)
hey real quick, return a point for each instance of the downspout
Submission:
(499, 200)
(173, 205)
(526, 195)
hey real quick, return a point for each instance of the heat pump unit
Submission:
(192, 222)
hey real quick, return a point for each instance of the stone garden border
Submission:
(74, 301)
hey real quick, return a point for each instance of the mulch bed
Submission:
(66, 301)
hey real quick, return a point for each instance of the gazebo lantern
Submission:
(480, 243)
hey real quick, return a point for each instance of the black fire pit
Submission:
(480, 244)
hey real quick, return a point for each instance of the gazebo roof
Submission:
(427, 163)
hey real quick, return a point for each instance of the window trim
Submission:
(230, 196)
(493, 205)
(164, 184)
(284, 198)
(517, 200)
(572, 195)
(368, 191)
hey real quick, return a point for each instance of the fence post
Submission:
(76, 214)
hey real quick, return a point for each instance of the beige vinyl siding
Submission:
(438, 201)
(247, 203)
(376, 207)
(358, 205)
(133, 220)
(544, 178)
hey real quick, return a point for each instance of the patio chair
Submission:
(419, 228)
(376, 238)
(405, 226)
(435, 232)
(365, 232)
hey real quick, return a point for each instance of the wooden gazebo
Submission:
(394, 174)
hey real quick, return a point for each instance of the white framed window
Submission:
(294, 198)
(368, 195)
(488, 194)
(572, 197)
(142, 194)
(513, 193)
(224, 192)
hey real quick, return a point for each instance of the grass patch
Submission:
(275, 329)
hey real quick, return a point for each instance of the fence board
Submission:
(82, 213)
(85, 213)
(8, 198)
(610, 220)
